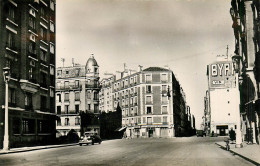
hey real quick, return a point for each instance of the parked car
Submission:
(96, 139)
(200, 133)
(90, 138)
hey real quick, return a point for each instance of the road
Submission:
(190, 151)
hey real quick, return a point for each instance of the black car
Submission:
(96, 139)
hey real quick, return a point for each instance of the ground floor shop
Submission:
(29, 128)
(149, 132)
(222, 129)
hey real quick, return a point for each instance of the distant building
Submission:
(77, 89)
(152, 102)
(223, 94)
(27, 37)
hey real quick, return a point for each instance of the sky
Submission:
(183, 35)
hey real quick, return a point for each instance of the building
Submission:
(222, 82)
(246, 21)
(27, 34)
(151, 101)
(77, 89)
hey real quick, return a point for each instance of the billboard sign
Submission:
(221, 75)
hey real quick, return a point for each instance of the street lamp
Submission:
(6, 74)
(236, 65)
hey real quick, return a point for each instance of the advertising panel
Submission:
(221, 75)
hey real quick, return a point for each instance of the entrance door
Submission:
(150, 132)
(222, 130)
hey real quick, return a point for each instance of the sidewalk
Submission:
(250, 152)
(26, 149)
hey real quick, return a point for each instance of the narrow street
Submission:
(132, 152)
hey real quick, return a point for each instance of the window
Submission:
(43, 56)
(43, 12)
(164, 110)
(77, 121)
(77, 96)
(58, 110)
(164, 77)
(95, 108)
(43, 34)
(77, 83)
(43, 79)
(66, 109)
(43, 103)
(10, 40)
(59, 72)
(67, 95)
(52, 5)
(66, 83)
(149, 110)
(28, 100)
(51, 92)
(32, 23)
(52, 70)
(11, 96)
(149, 120)
(11, 13)
(32, 48)
(67, 121)
(52, 48)
(58, 122)
(89, 106)
(148, 88)
(165, 120)
(89, 95)
(76, 109)
(28, 126)
(95, 96)
(58, 97)
(148, 99)
(148, 78)
(164, 99)
(164, 88)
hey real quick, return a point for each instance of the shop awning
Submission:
(120, 129)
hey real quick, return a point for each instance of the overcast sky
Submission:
(185, 35)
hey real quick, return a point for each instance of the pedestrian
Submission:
(232, 135)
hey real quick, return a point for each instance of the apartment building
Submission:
(146, 99)
(77, 89)
(27, 47)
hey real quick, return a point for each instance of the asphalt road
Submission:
(191, 151)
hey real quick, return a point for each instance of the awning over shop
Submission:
(120, 129)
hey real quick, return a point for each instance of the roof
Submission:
(156, 69)
(91, 62)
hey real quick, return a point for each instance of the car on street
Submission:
(90, 138)
(200, 133)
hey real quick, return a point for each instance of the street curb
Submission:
(40, 148)
(235, 153)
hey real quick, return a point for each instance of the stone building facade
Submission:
(77, 89)
(27, 47)
(150, 103)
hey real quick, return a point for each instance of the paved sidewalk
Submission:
(249, 152)
(26, 149)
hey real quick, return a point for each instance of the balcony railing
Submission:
(92, 86)
(165, 123)
(70, 87)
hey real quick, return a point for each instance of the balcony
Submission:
(33, 54)
(29, 86)
(70, 87)
(92, 85)
(165, 123)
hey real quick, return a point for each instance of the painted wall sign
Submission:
(221, 75)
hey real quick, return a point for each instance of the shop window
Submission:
(28, 126)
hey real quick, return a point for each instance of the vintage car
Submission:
(90, 138)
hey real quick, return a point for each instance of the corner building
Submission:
(146, 99)
(77, 89)
(27, 47)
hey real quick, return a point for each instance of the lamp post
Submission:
(236, 65)
(6, 74)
